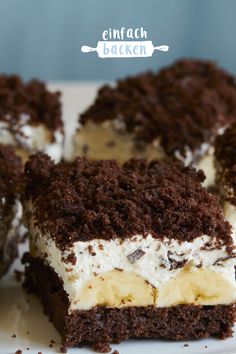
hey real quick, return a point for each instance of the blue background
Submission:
(42, 38)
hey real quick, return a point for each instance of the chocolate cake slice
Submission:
(30, 117)
(10, 208)
(174, 113)
(225, 160)
(134, 251)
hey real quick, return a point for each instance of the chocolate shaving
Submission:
(174, 264)
(136, 255)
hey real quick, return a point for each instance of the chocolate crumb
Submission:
(91, 250)
(13, 336)
(102, 347)
(71, 258)
(186, 345)
(135, 256)
(63, 349)
(115, 352)
(18, 275)
(19, 351)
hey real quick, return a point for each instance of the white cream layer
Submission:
(99, 257)
(32, 138)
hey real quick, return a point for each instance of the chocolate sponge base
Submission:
(100, 326)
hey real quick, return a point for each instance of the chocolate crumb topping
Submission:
(63, 349)
(135, 256)
(11, 170)
(84, 200)
(71, 258)
(194, 97)
(102, 347)
(29, 100)
(225, 152)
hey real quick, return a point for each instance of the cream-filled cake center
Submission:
(104, 141)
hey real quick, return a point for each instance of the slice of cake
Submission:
(134, 251)
(225, 159)
(30, 117)
(174, 113)
(10, 208)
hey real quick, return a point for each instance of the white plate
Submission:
(22, 315)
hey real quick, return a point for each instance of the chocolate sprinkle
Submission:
(184, 104)
(84, 200)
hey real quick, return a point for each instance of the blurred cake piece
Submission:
(10, 207)
(134, 251)
(30, 117)
(174, 113)
(225, 160)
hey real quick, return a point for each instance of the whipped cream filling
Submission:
(155, 261)
(29, 138)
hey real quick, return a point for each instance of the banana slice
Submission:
(197, 286)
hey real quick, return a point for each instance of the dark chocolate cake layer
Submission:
(84, 200)
(100, 325)
(184, 104)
